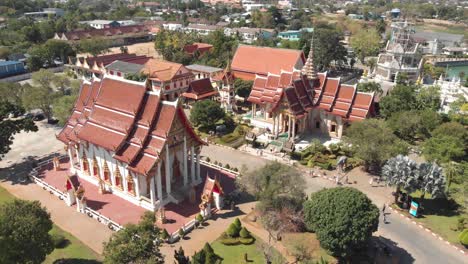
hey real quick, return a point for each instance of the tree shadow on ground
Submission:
(383, 250)
(17, 172)
(439, 206)
(76, 261)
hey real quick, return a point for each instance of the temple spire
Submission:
(308, 69)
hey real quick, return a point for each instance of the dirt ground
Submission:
(146, 48)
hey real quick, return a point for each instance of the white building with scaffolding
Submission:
(402, 54)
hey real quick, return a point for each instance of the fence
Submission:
(52, 190)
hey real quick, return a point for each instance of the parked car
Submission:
(38, 117)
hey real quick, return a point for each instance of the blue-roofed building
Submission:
(294, 35)
(9, 68)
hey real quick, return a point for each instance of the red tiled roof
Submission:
(136, 136)
(301, 96)
(200, 89)
(197, 46)
(251, 60)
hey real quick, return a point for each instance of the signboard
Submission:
(414, 209)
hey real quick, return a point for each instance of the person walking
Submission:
(384, 214)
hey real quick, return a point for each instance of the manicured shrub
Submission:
(164, 234)
(208, 159)
(181, 233)
(58, 240)
(247, 241)
(199, 218)
(229, 241)
(227, 166)
(463, 237)
(233, 230)
(238, 223)
(244, 233)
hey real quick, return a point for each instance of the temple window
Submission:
(130, 185)
(118, 178)
(106, 172)
(85, 164)
(317, 124)
(333, 128)
(95, 168)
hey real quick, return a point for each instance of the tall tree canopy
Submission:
(24, 232)
(374, 142)
(134, 244)
(206, 113)
(365, 43)
(343, 219)
(328, 47)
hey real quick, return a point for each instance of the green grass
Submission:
(235, 254)
(75, 251)
(461, 30)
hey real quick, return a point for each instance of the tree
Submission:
(380, 26)
(365, 43)
(406, 174)
(179, 256)
(94, 46)
(328, 47)
(4, 53)
(444, 148)
(370, 87)
(343, 219)
(280, 191)
(401, 172)
(206, 256)
(9, 127)
(401, 98)
(40, 95)
(428, 98)
(411, 125)
(62, 108)
(432, 180)
(273, 181)
(24, 232)
(372, 62)
(243, 88)
(58, 49)
(373, 142)
(206, 113)
(135, 243)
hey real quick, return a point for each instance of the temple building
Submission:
(402, 54)
(126, 138)
(250, 61)
(301, 101)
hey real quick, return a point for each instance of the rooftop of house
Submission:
(203, 68)
(126, 67)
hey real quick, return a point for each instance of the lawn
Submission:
(310, 244)
(74, 250)
(235, 254)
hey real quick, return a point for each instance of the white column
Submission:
(192, 167)
(185, 162)
(136, 183)
(152, 191)
(168, 171)
(158, 182)
(274, 125)
(289, 127)
(71, 157)
(198, 167)
(294, 128)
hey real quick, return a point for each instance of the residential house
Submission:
(100, 24)
(201, 29)
(249, 35)
(294, 35)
